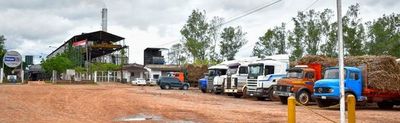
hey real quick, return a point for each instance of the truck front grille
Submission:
(251, 85)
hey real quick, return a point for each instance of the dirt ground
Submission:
(119, 102)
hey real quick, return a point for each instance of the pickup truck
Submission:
(299, 82)
(327, 90)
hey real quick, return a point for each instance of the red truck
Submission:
(299, 82)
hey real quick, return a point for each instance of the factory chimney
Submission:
(104, 19)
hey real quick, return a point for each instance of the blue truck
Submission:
(327, 90)
(203, 83)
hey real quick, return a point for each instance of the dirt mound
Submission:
(320, 59)
(383, 71)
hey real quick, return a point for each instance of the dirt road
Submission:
(118, 102)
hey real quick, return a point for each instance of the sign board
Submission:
(12, 59)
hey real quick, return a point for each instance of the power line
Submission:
(250, 12)
(307, 8)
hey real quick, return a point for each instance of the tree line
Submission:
(313, 32)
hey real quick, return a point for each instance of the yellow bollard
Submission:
(351, 108)
(291, 110)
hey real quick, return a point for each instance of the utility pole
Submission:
(341, 64)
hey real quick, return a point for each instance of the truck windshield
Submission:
(331, 74)
(232, 71)
(211, 72)
(294, 74)
(255, 70)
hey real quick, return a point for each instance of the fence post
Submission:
(351, 108)
(291, 110)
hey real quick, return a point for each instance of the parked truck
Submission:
(327, 90)
(203, 83)
(235, 82)
(264, 74)
(299, 82)
(214, 74)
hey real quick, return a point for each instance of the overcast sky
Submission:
(36, 27)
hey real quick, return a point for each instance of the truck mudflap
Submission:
(283, 93)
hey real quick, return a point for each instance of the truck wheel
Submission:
(204, 90)
(261, 98)
(244, 95)
(323, 103)
(162, 87)
(167, 86)
(385, 105)
(303, 97)
(237, 95)
(283, 99)
(185, 87)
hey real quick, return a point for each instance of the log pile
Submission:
(383, 71)
(317, 59)
(195, 72)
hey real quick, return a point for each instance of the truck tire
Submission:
(283, 99)
(237, 95)
(323, 103)
(385, 105)
(244, 94)
(261, 98)
(204, 90)
(303, 97)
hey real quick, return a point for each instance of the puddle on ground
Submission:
(147, 117)
(139, 117)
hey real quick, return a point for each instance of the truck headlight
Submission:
(330, 90)
(289, 88)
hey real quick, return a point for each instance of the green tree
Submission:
(2, 49)
(273, 42)
(232, 40)
(264, 47)
(279, 40)
(329, 30)
(59, 63)
(296, 38)
(353, 32)
(213, 32)
(195, 37)
(384, 36)
(176, 54)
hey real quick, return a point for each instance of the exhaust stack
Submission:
(104, 19)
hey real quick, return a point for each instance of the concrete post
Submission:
(95, 76)
(108, 76)
(1, 75)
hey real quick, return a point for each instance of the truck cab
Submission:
(263, 75)
(235, 82)
(203, 83)
(327, 90)
(299, 82)
(215, 78)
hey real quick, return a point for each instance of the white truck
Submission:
(235, 82)
(264, 74)
(215, 78)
